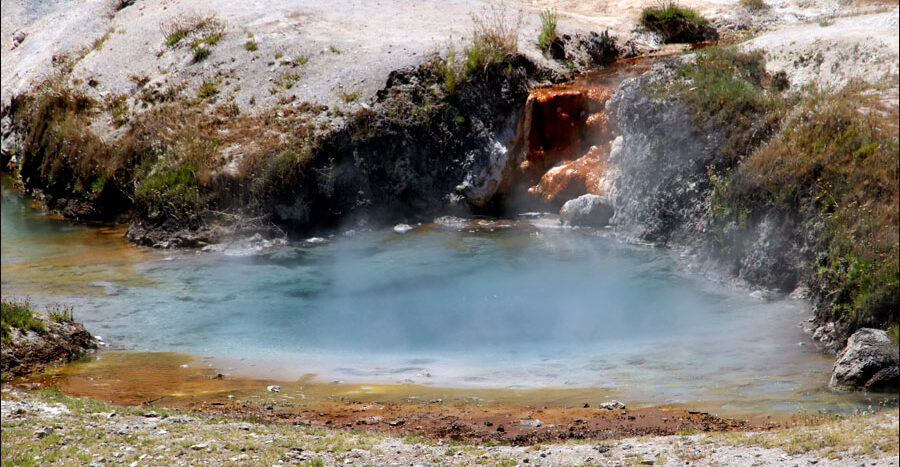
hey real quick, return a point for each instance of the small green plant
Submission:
(494, 37)
(334, 50)
(251, 46)
(755, 6)
(182, 26)
(98, 44)
(200, 52)
(60, 313)
(549, 19)
(288, 80)
(18, 314)
(350, 97)
(208, 89)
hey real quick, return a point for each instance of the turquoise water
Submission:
(532, 305)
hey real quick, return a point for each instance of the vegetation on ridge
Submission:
(824, 161)
(18, 315)
(836, 162)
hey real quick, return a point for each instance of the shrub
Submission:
(548, 27)
(19, 315)
(677, 24)
(60, 151)
(251, 45)
(670, 11)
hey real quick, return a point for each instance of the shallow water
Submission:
(525, 307)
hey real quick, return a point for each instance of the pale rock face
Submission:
(481, 184)
(869, 361)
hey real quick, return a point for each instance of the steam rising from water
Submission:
(535, 306)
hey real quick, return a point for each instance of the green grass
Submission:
(732, 90)
(549, 19)
(208, 89)
(251, 46)
(167, 190)
(60, 313)
(18, 315)
(288, 80)
(200, 53)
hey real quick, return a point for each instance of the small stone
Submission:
(41, 433)
(273, 388)
(199, 446)
(612, 405)
(530, 423)
(402, 228)
(397, 422)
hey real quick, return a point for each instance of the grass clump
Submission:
(167, 189)
(251, 46)
(208, 89)
(755, 6)
(288, 80)
(549, 19)
(494, 38)
(208, 28)
(60, 313)
(18, 314)
(731, 89)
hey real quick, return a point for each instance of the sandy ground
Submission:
(830, 54)
(351, 45)
(55, 429)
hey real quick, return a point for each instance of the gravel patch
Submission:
(49, 427)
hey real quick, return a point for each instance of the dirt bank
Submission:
(49, 427)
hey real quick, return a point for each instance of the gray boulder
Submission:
(869, 361)
(587, 210)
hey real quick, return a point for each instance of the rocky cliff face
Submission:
(662, 186)
(665, 187)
